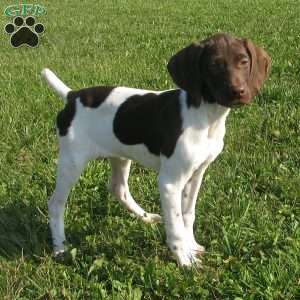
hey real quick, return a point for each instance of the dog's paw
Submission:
(60, 247)
(197, 249)
(24, 31)
(188, 260)
(185, 256)
(59, 254)
(151, 218)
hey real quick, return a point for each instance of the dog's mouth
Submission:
(242, 101)
(234, 102)
(227, 97)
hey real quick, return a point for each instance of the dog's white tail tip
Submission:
(60, 88)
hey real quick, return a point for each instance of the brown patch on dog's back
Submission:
(150, 119)
(91, 97)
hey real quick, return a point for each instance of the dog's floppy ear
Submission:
(260, 66)
(184, 68)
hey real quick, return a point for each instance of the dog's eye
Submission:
(244, 61)
(217, 66)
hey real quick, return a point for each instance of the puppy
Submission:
(176, 132)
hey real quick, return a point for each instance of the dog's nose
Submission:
(239, 91)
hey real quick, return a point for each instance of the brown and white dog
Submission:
(176, 132)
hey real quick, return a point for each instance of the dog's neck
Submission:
(213, 111)
(211, 116)
(216, 112)
(217, 115)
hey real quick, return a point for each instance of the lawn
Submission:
(248, 213)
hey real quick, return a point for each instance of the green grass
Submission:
(249, 214)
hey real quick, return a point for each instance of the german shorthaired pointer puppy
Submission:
(176, 132)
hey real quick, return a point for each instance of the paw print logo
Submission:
(24, 31)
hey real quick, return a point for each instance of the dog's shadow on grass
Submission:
(24, 229)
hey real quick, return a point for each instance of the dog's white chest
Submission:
(203, 148)
(204, 131)
(215, 146)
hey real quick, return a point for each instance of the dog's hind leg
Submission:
(119, 187)
(68, 173)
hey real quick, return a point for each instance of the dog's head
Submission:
(222, 69)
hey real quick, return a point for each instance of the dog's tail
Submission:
(60, 88)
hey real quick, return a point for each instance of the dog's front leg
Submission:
(171, 195)
(189, 199)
